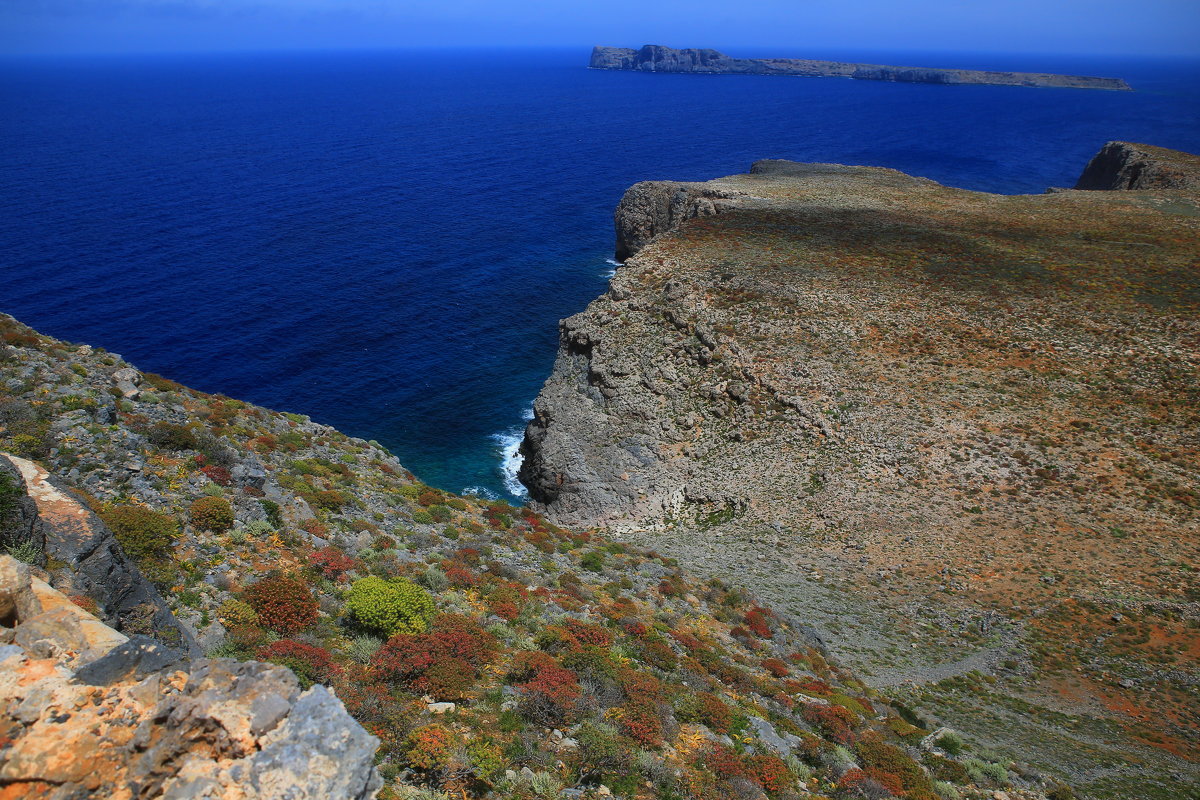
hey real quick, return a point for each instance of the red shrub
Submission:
(657, 653)
(331, 562)
(890, 781)
(505, 609)
(556, 684)
(218, 475)
(835, 721)
(672, 587)
(461, 577)
(247, 637)
(641, 686)
(284, 604)
(634, 628)
(315, 528)
(584, 633)
(444, 662)
(549, 690)
(756, 621)
(776, 667)
(448, 679)
(265, 443)
(852, 779)
(311, 664)
(714, 713)
(461, 636)
(769, 772)
(430, 747)
(642, 722)
(724, 762)
(814, 687)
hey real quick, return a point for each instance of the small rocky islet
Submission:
(206, 598)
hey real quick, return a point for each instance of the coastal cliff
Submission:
(849, 382)
(656, 58)
(1124, 165)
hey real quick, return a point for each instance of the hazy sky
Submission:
(790, 27)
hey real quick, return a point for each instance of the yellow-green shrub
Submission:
(389, 607)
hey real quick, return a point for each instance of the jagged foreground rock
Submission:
(86, 712)
(977, 410)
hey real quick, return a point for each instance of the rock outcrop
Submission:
(656, 58)
(1124, 165)
(85, 712)
(86, 560)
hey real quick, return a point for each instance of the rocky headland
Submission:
(656, 58)
(960, 428)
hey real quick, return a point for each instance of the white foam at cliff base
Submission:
(511, 459)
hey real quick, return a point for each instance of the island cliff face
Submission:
(929, 398)
(656, 58)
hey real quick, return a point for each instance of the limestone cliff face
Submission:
(87, 712)
(1124, 165)
(89, 561)
(656, 58)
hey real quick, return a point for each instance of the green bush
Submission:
(169, 436)
(951, 742)
(389, 606)
(274, 515)
(143, 533)
(212, 514)
(11, 494)
(592, 561)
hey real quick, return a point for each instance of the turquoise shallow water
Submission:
(385, 241)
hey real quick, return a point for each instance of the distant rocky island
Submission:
(656, 58)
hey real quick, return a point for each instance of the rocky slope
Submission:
(86, 712)
(490, 653)
(978, 411)
(656, 58)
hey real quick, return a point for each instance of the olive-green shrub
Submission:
(212, 514)
(143, 533)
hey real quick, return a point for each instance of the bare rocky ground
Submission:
(958, 430)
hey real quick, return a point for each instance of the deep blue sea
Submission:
(385, 241)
